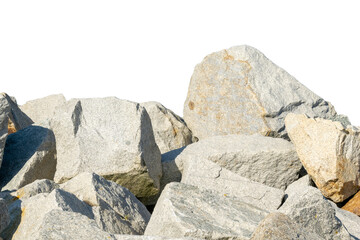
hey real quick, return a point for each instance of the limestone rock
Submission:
(116, 209)
(353, 205)
(185, 210)
(35, 188)
(240, 91)
(270, 161)
(35, 210)
(4, 215)
(12, 119)
(30, 154)
(329, 152)
(313, 213)
(208, 175)
(350, 220)
(170, 131)
(41, 109)
(110, 137)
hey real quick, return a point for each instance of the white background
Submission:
(147, 50)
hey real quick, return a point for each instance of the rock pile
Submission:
(258, 156)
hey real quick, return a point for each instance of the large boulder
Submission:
(170, 131)
(240, 91)
(185, 210)
(39, 110)
(353, 205)
(30, 154)
(207, 175)
(116, 210)
(110, 137)
(329, 152)
(12, 119)
(270, 161)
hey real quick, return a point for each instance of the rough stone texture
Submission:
(350, 220)
(110, 137)
(185, 210)
(12, 119)
(279, 226)
(240, 91)
(116, 210)
(142, 237)
(30, 154)
(35, 209)
(170, 131)
(208, 175)
(35, 188)
(353, 205)
(329, 152)
(41, 109)
(270, 161)
(4, 215)
(313, 213)
(13, 206)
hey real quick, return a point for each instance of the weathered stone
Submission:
(35, 209)
(30, 154)
(142, 237)
(313, 213)
(185, 210)
(41, 109)
(208, 175)
(279, 226)
(350, 220)
(240, 91)
(329, 152)
(170, 131)
(12, 119)
(4, 215)
(35, 188)
(116, 210)
(270, 161)
(110, 137)
(353, 205)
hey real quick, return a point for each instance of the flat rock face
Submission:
(313, 213)
(170, 131)
(29, 154)
(208, 175)
(240, 91)
(270, 161)
(184, 210)
(353, 205)
(110, 137)
(329, 152)
(41, 109)
(116, 209)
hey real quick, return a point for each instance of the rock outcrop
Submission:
(329, 152)
(240, 91)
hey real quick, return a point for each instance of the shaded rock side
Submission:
(116, 210)
(185, 210)
(170, 131)
(35, 188)
(270, 161)
(4, 215)
(30, 154)
(110, 137)
(12, 119)
(240, 91)
(329, 152)
(353, 205)
(208, 175)
(39, 110)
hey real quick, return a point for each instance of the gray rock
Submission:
(185, 210)
(270, 161)
(116, 209)
(279, 226)
(142, 237)
(170, 131)
(30, 154)
(240, 91)
(110, 137)
(12, 119)
(39, 110)
(208, 175)
(4, 215)
(35, 209)
(13, 208)
(35, 188)
(312, 212)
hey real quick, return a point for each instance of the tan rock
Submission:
(353, 205)
(329, 152)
